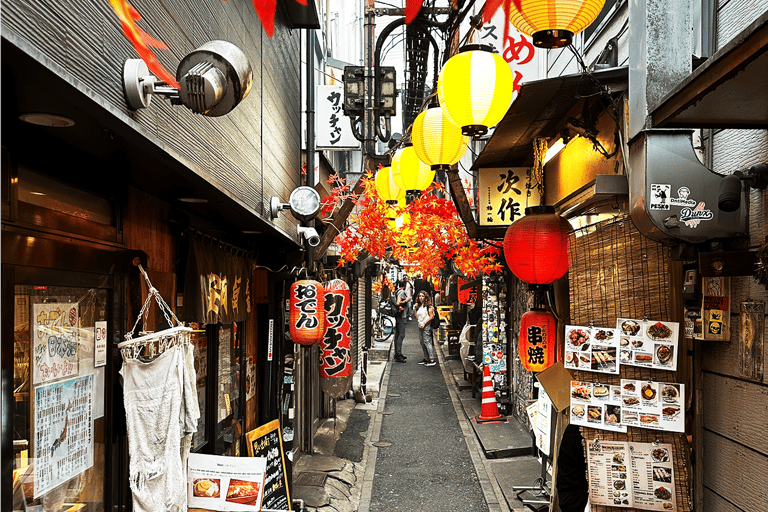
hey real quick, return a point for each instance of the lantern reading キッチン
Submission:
(538, 339)
(438, 142)
(335, 363)
(306, 316)
(475, 89)
(553, 23)
(536, 246)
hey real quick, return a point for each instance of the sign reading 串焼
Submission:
(63, 431)
(504, 193)
(55, 344)
(332, 129)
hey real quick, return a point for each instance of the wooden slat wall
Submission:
(251, 153)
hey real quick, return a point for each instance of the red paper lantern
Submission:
(536, 246)
(538, 338)
(468, 295)
(306, 317)
(335, 354)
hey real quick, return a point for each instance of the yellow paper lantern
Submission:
(389, 191)
(552, 23)
(475, 89)
(410, 173)
(438, 142)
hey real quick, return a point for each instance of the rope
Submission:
(153, 293)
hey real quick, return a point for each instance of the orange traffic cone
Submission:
(489, 410)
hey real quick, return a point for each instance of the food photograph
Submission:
(660, 455)
(669, 394)
(243, 492)
(659, 332)
(206, 487)
(577, 336)
(629, 327)
(664, 355)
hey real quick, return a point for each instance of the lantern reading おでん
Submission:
(536, 246)
(537, 343)
(306, 317)
(335, 364)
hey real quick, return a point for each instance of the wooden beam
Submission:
(462, 204)
(337, 226)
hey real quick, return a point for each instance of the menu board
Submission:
(593, 349)
(648, 343)
(631, 475)
(216, 482)
(266, 442)
(596, 405)
(654, 405)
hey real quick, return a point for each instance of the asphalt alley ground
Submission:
(422, 459)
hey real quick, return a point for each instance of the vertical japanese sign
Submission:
(516, 49)
(63, 431)
(335, 345)
(55, 345)
(504, 193)
(332, 129)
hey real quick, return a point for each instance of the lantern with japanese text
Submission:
(467, 295)
(536, 246)
(553, 23)
(306, 316)
(538, 339)
(335, 355)
(475, 89)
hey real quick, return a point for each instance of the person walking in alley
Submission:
(401, 319)
(425, 312)
(409, 293)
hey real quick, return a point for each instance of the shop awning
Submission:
(728, 91)
(538, 111)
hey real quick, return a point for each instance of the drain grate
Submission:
(311, 478)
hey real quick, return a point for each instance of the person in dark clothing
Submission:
(572, 485)
(401, 320)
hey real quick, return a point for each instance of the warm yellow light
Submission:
(388, 190)
(410, 173)
(438, 142)
(552, 23)
(475, 89)
(552, 152)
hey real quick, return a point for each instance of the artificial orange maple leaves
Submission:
(432, 234)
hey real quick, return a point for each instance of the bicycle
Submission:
(383, 324)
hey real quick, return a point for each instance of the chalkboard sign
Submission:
(267, 442)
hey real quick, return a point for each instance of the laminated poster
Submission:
(653, 405)
(63, 431)
(592, 349)
(596, 405)
(631, 475)
(648, 343)
(55, 343)
(216, 482)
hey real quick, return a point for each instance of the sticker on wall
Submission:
(660, 195)
(682, 198)
(100, 344)
(692, 216)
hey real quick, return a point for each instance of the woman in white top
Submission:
(425, 312)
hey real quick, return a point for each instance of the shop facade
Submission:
(91, 191)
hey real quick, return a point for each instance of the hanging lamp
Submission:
(389, 191)
(536, 246)
(438, 142)
(537, 340)
(306, 314)
(410, 173)
(553, 23)
(475, 89)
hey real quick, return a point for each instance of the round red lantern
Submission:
(467, 295)
(335, 354)
(306, 316)
(536, 246)
(538, 338)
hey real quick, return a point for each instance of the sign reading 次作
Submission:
(503, 195)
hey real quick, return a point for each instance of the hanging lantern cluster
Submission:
(438, 142)
(306, 317)
(335, 354)
(553, 23)
(475, 89)
(537, 341)
(536, 246)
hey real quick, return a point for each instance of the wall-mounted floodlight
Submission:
(214, 79)
(755, 177)
(304, 204)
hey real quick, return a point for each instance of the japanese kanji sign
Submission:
(503, 195)
(332, 128)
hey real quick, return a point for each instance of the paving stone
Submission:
(313, 496)
(319, 463)
(348, 477)
(335, 491)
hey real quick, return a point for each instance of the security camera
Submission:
(310, 235)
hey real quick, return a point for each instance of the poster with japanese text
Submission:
(55, 341)
(63, 431)
(503, 193)
(216, 482)
(593, 349)
(631, 475)
(648, 343)
(332, 128)
(597, 405)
